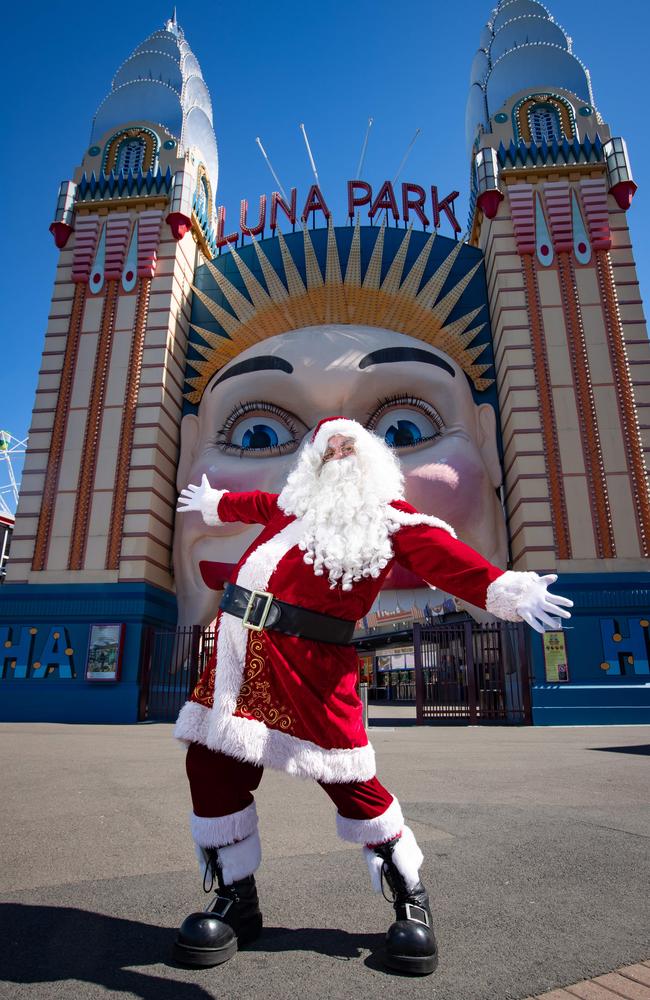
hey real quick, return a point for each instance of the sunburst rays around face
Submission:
(398, 302)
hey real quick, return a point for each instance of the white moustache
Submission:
(340, 469)
(346, 535)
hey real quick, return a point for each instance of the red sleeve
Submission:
(250, 508)
(443, 561)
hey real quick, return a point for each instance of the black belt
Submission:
(259, 610)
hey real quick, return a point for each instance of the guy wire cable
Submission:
(270, 166)
(311, 158)
(406, 154)
(363, 149)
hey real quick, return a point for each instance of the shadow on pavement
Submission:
(49, 944)
(324, 940)
(641, 748)
(391, 723)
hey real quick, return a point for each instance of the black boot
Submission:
(231, 920)
(410, 944)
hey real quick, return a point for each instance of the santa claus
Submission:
(281, 688)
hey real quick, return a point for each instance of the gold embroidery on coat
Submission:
(257, 691)
(204, 690)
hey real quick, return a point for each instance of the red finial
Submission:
(61, 233)
(623, 192)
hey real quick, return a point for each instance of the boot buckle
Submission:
(220, 911)
(412, 910)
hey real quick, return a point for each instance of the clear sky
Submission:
(270, 66)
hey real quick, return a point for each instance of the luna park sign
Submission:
(20, 659)
(404, 202)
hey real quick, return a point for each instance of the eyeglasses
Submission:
(341, 450)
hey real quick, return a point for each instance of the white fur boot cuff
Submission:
(407, 858)
(236, 860)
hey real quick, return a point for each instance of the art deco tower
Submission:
(551, 185)
(98, 493)
(98, 482)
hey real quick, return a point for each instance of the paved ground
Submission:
(536, 843)
(632, 982)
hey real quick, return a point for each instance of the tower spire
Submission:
(172, 24)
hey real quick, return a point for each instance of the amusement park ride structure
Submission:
(10, 448)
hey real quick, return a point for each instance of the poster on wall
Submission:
(104, 658)
(556, 664)
(398, 658)
(365, 669)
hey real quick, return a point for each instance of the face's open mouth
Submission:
(216, 574)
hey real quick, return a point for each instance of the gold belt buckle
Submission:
(265, 613)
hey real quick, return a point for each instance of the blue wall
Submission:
(30, 614)
(607, 605)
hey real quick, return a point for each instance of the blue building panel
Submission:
(608, 650)
(44, 638)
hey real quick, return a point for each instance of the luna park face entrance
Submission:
(464, 673)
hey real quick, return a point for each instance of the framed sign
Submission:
(104, 659)
(556, 664)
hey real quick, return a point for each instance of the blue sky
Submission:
(270, 66)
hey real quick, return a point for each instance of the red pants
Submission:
(221, 785)
(225, 817)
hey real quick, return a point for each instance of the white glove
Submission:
(202, 498)
(538, 606)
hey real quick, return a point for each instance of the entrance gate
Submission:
(172, 664)
(468, 673)
(464, 672)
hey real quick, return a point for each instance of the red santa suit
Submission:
(272, 699)
(291, 703)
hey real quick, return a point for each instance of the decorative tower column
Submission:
(550, 188)
(94, 524)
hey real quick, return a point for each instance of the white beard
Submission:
(344, 508)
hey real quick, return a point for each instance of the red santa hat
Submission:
(329, 426)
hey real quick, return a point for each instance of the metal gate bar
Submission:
(172, 664)
(470, 673)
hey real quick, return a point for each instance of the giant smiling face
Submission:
(256, 411)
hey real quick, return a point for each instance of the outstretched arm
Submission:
(221, 506)
(443, 561)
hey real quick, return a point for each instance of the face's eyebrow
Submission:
(266, 363)
(389, 355)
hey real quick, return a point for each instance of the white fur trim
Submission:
(248, 739)
(506, 593)
(371, 831)
(407, 858)
(242, 859)
(237, 860)
(210, 505)
(218, 831)
(374, 863)
(404, 518)
(350, 428)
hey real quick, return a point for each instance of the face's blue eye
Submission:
(402, 433)
(407, 425)
(259, 433)
(259, 436)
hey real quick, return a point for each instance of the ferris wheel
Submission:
(10, 448)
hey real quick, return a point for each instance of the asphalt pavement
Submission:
(536, 844)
